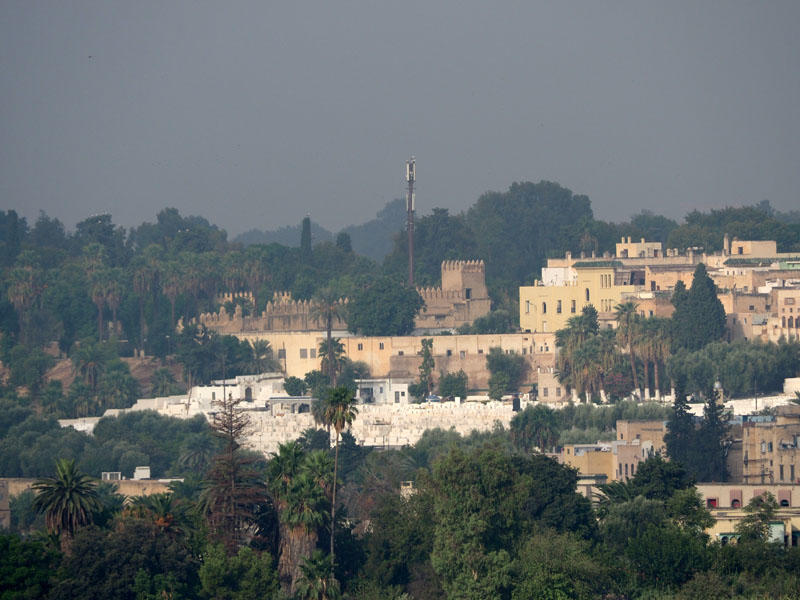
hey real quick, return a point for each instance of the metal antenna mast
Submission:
(410, 178)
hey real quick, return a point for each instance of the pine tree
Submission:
(233, 487)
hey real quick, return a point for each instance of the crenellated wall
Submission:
(282, 313)
(460, 300)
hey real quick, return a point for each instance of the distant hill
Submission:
(286, 236)
(373, 239)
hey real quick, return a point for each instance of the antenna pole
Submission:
(410, 178)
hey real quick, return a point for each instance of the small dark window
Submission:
(361, 346)
(468, 293)
(587, 294)
(282, 353)
(711, 503)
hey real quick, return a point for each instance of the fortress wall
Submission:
(385, 425)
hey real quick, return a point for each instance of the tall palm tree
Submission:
(69, 500)
(299, 500)
(340, 412)
(325, 307)
(662, 343)
(144, 272)
(98, 288)
(24, 286)
(114, 291)
(331, 353)
(627, 327)
(172, 284)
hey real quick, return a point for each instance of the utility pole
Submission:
(410, 178)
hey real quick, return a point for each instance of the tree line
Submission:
(686, 353)
(488, 516)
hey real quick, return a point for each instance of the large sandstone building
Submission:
(460, 300)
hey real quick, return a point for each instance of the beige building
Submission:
(758, 286)
(645, 431)
(548, 308)
(771, 447)
(397, 356)
(726, 503)
(607, 461)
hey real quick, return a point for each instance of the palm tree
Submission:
(298, 498)
(340, 412)
(98, 288)
(69, 500)
(172, 285)
(114, 291)
(325, 307)
(263, 358)
(331, 353)
(144, 279)
(661, 349)
(24, 286)
(317, 582)
(165, 510)
(627, 327)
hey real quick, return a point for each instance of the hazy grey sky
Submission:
(252, 114)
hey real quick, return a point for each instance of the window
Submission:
(380, 346)
(791, 473)
(400, 353)
(788, 301)
(282, 353)
(780, 470)
(462, 354)
(558, 391)
(468, 293)
(213, 396)
(396, 397)
(527, 307)
(572, 307)
(361, 346)
(449, 352)
(544, 392)
(736, 503)
(587, 294)
(558, 307)
(544, 308)
(303, 353)
(480, 350)
(312, 353)
(711, 503)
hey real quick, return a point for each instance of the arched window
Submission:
(790, 324)
(784, 502)
(248, 394)
(736, 503)
(587, 294)
(783, 321)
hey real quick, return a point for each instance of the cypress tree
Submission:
(305, 240)
(699, 317)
